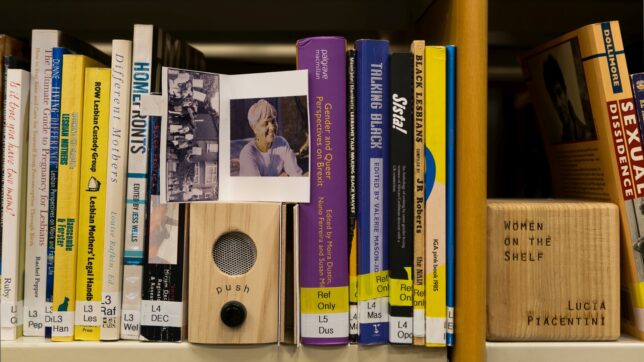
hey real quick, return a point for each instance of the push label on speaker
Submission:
(161, 313)
(325, 312)
(88, 314)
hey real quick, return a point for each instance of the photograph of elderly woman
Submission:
(269, 137)
(192, 147)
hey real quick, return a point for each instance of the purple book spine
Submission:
(324, 261)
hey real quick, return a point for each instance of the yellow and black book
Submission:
(71, 126)
(91, 221)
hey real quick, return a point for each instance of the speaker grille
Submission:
(234, 253)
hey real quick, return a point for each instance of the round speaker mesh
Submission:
(234, 253)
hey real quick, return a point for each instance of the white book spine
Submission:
(42, 42)
(115, 192)
(137, 170)
(13, 201)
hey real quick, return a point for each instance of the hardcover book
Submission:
(372, 106)
(91, 209)
(115, 188)
(580, 86)
(14, 181)
(42, 44)
(324, 291)
(435, 203)
(152, 48)
(73, 113)
(418, 51)
(637, 82)
(401, 196)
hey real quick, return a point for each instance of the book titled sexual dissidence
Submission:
(324, 261)
(580, 86)
(372, 72)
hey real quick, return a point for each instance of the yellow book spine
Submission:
(91, 221)
(71, 126)
(435, 204)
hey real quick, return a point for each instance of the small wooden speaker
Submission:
(234, 280)
(553, 270)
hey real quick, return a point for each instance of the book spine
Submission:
(67, 218)
(451, 187)
(91, 220)
(637, 83)
(56, 85)
(401, 196)
(137, 174)
(14, 157)
(115, 188)
(418, 50)
(323, 225)
(353, 219)
(42, 43)
(372, 79)
(162, 317)
(435, 204)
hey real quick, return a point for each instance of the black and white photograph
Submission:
(269, 137)
(560, 84)
(192, 136)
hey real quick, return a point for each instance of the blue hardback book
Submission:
(637, 82)
(56, 85)
(373, 107)
(450, 167)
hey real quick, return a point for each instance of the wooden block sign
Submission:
(553, 270)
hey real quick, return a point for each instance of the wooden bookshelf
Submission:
(459, 22)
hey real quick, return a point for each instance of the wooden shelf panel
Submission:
(626, 349)
(38, 349)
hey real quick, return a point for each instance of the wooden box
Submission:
(553, 270)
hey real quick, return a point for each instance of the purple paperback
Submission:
(324, 261)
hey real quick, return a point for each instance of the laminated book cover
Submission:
(233, 137)
(91, 208)
(401, 196)
(580, 86)
(372, 82)
(435, 194)
(73, 109)
(324, 262)
(450, 233)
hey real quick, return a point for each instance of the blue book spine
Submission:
(373, 111)
(56, 83)
(450, 167)
(637, 82)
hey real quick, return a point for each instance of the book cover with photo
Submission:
(580, 86)
(233, 137)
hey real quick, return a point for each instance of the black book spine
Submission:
(164, 281)
(351, 147)
(401, 196)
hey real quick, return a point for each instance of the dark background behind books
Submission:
(263, 40)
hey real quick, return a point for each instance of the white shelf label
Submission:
(88, 314)
(10, 314)
(354, 326)
(374, 310)
(400, 330)
(130, 320)
(49, 314)
(34, 322)
(419, 322)
(111, 310)
(161, 313)
(331, 325)
(63, 324)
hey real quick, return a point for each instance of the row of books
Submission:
(82, 175)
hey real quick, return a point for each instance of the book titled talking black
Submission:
(401, 196)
